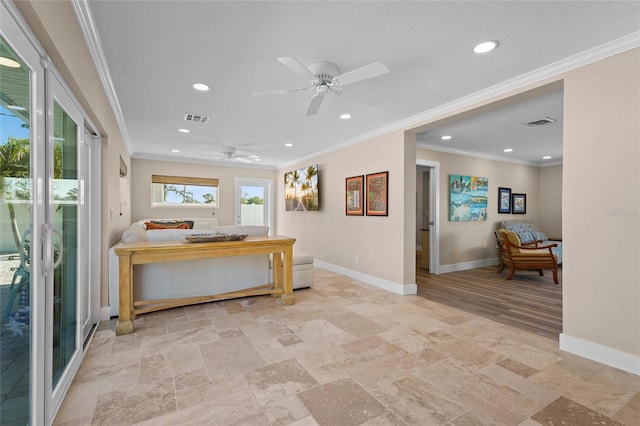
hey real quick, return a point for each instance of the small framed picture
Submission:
(377, 194)
(519, 203)
(354, 196)
(504, 200)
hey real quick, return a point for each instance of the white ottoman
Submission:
(302, 270)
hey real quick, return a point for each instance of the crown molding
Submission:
(623, 44)
(628, 42)
(92, 38)
(555, 69)
(474, 154)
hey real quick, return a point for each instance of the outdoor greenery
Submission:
(246, 199)
(186, 196)
(15, 176)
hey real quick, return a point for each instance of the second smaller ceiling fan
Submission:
(230, 153)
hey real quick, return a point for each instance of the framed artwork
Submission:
(504, 200)
(519, 203)
(301, 190)
(468, 198)
(377, 194)
(354, 189)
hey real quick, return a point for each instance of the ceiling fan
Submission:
(230, 153)
(325, 77)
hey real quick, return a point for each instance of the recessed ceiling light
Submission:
(16, 107)
(257, 159)
(546, 157)
(345, 116)
(508, 150)
(175, 150)
(486, 46)
(201, 87)
(184, 130)
(446, 138)
(288, 145)
(8, 62)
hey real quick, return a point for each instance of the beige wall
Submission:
(601, 203)
(550, 196)
(333, 237)
(474, 241)
(141, 188)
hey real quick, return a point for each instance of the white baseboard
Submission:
(453, 267)
(370, 279)
(105, 313)
(597, 352)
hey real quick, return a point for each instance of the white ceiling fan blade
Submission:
(281, 91)
(314, 105)
(363, 73)
(297, 67)
(243, 160)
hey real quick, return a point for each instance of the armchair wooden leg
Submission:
(511, 273)
(500, 267)
(555, 275)
(541, 272)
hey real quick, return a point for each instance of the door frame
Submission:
(268, 199)
(434, 213)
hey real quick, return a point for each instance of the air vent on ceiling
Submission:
(197, 118)
(541, 122)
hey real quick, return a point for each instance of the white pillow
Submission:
(136, 232)
(250, 230)
(204, 223)
(171, 234)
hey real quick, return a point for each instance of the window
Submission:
(183, 191)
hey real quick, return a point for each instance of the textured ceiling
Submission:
(155, 50)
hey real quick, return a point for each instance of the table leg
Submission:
(288, 298)
(125, 277)
(277, 274)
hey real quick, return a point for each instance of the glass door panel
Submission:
(65, 249)
(15, 237)
(252, 204)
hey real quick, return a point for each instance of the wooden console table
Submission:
(138, 253)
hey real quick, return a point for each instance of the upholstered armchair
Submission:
(527, 256)
(529, 233)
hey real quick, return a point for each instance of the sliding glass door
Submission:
(20, 252)
(65, 233)
(47, 294)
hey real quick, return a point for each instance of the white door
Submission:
(434, 207)
(254, 202)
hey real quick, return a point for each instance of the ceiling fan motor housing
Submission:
(324, 71)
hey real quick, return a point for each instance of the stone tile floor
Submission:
(345, 354)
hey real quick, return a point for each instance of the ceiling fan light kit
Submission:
(325, 77)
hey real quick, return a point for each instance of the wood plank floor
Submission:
(528, 301)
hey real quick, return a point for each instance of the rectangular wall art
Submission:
(467, 198)
(301, 190)
(355, 196)
(377, 194)
(519, 203)
(504, 200)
